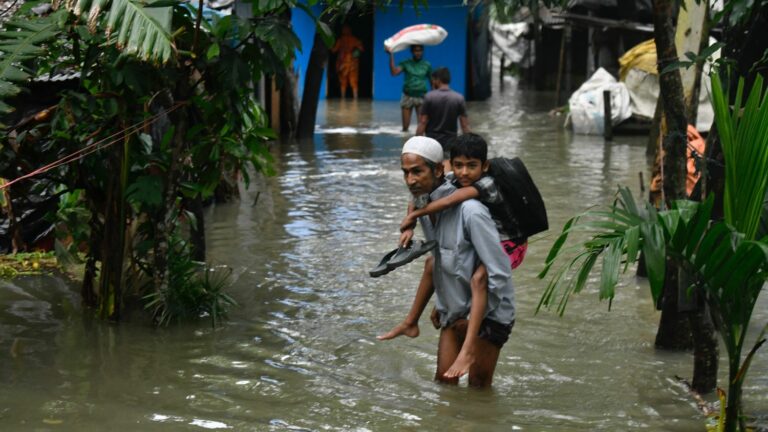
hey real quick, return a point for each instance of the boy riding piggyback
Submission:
(482, 337)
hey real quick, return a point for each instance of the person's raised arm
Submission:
(461, 195)
(395, 70)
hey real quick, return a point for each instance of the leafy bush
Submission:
(194, 290)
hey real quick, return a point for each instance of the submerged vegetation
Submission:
(724, 261)
(156, 114)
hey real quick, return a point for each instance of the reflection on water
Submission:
(300, 351)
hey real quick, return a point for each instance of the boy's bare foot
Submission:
(410, 330)
(460, 366)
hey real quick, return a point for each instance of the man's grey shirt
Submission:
(467, 236)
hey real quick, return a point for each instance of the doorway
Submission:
(360, 21)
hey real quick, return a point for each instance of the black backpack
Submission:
(522, 212)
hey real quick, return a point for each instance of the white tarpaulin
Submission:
(638, 71)
(586, 104)
(644, 92)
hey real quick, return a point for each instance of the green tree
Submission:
(164, 101)
(723, 259)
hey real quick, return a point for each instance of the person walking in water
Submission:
(417, 72)
(442, 109)
(347, 50)
(467, 236)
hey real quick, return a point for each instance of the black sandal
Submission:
(383, 268)
(407, 254)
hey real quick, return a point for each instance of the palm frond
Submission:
(134, 27)
(20, 41)
(743, 133)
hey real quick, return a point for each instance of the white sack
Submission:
(586, 103)
(420, 34)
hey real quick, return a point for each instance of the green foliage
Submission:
(141, 29)
(743, 134)
(622, 231)
(704, 56)
(193, 292)
(72, 227)
(26, 264)
(144, 67)
(721, 258)
(737, 12)
(146, 190)
(21, 41)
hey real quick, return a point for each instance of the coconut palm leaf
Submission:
(617, 236)
(722, 258)
(20, 41)
(744, 138)
(138, 28)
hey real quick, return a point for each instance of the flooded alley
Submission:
(300, 353)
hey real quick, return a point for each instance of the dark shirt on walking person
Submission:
(443, 111)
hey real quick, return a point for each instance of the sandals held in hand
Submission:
(402, 256)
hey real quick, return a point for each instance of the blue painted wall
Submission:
(304, 27)
(452, 53)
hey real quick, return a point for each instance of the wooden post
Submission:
(501, 72)
(275, 99)
(567, 72)
(590, 48)
(607, 124)
(560, 65)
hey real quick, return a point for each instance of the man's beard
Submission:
(421, 201)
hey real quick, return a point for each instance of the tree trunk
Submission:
(110, 297)
(653, 138)
(197, 230)
(705, 350)
(313, 80)
(692, 35)
(88, 290)
(288, 104)
(674, 329)
(671, 91)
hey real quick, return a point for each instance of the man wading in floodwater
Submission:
(466, 236)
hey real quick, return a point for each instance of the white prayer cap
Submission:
(425, 147)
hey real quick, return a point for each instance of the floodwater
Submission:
(300, 354)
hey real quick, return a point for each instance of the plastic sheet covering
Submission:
(586, 104)
(510, 39)
(637, 70)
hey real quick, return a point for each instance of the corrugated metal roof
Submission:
(58, 77)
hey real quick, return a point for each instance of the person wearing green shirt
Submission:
(417, 72)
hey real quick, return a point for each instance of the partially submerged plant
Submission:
(723, 259)
(194, 290)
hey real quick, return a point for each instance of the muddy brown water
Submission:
(300, 354)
